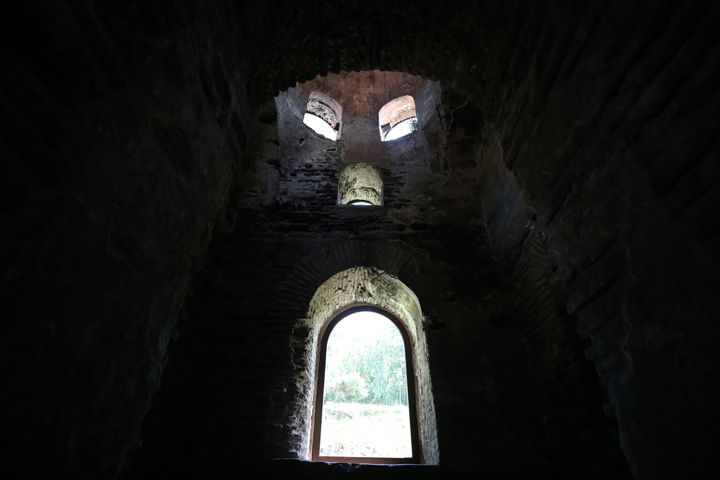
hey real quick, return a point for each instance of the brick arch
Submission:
(371, 286)
(368, 286)
(395, 260)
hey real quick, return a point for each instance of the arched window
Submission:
(365, 373)
(323, 115)
(360, 184)
(365, 394)
(397, 118)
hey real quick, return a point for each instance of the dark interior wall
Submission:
(229, 393)
(618, 177)
(597, 121)
(121, 131)
(603, 116)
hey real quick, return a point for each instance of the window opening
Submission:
(371, 289)
(365, 405)
(397, 118)
(360, 184)
(323, 115)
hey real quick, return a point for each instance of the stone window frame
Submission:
(320, 390)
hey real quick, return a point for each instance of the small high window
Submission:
(360, 203)
(366, 393)
(360, 185)
(397, 118)
(323, 115)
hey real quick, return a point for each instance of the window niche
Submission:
(397, 118)
(360, 184)
(323, 115)
(365, 408)
(365, 289)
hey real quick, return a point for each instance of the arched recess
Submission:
(397, 118)
(370, 286)
(323, 115)
(360, 182)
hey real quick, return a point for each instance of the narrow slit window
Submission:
(360, 203)
(397, 118)
(323, 115)
(365, 409)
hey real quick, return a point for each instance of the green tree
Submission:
(370, 372)
(348, 388)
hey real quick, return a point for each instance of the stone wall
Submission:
(230, 395)
(123, 133)
(601, 146)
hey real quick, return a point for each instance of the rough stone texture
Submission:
(360, 181)
(326, 108)
(578, 158)
(361, 96)
(429, 234)
(120, 135)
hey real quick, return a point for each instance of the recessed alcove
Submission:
(313, 171)
(397, 118)
(360, 184)
(376, 291)
(323, 115)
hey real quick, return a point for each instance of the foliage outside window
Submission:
(367, 410)
(397, 118)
